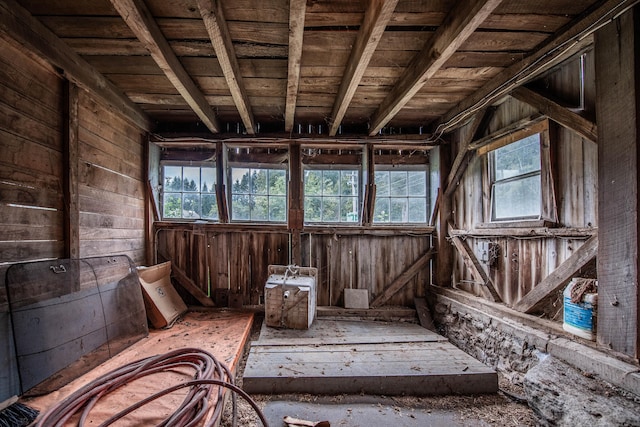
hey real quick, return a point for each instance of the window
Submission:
(331, 195)
(258, 194)
(189, 192)
(515, 174)
(401, 196)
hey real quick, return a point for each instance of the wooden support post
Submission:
(559, 277)
(444, 263)
(71, 158)
(403, 278)
(296, 212)
(617, 48)
(477, 271)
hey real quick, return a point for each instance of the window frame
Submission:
(427, 196)
(257, 166)
(328, 168)
(188, 164)
(548, 208)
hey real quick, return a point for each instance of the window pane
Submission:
(209, 206)
(517, 199)
(398, 183)
(399, 211)
(417, 210)
(331, 183)
(382, 183)
(381, 211)
(277, 182)
(518, 158)
(240, 207)
(191, 179)
(331, 209)
(172, 205)
(208, 180)
(259, 181)
(172, 178)
(191, 206)
(260, 208)
(312, 183)
(312, 208)
(277, 208)
(240, 178)
(349, 183)
(417, 183)
(349, 209)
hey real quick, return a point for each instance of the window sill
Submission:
(517, 224)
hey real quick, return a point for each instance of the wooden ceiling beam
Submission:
(213, 17)
(376, 17)
(297, 11)
(567, 118)
(459, 24)
(568, 40)
(18, 24)
(138, 17)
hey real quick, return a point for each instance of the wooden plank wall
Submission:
(238, 260)
(524, 262)
(111, 183)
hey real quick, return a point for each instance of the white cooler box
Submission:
(290, 297)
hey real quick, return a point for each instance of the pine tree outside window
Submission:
(188, 192)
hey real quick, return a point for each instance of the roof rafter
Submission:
(376, 17)
(569, 40)
(213, 17)
(297, 10)
(138, 17)
(459, 24)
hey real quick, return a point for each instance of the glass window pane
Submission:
(240, 180)
(312, 183)
(312, 208)
(382, 183)
(417, 210)
(208, 180)
(277, 182)
(191, 179)
(349, 209)
(277, 208)
(330, 183)
(517, 199)
(172, 178)
(259, 183)
(399, 211)
(398, 183)
(172, 207)
(209, 206)
(191, 206)
(240, 208)
(331, 209)
(259, 208)
(381, 211)
(417, 183)
(518, 158)
(349, 183)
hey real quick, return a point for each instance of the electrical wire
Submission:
(209, 373)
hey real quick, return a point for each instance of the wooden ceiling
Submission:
(322, 66)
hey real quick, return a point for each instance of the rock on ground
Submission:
(563, 396)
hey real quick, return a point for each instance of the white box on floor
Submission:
(290, 297)
(356, 298)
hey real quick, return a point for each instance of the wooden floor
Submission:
(342, 356)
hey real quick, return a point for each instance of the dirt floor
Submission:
(501, 409)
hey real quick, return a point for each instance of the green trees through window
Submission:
(258, 194)
(401, 196)
(331, 195)
(189, 192)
